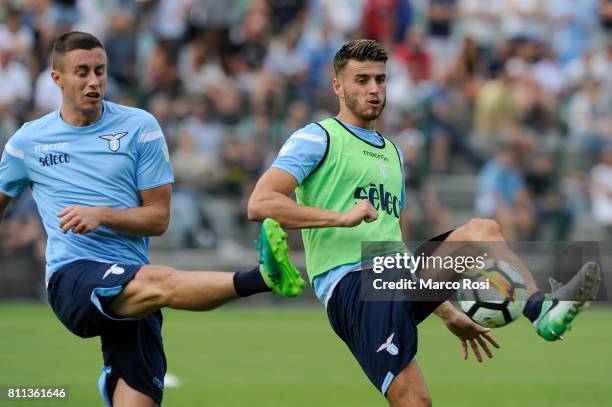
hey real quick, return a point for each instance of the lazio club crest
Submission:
(383, 170)
(389, 346)
(114, 140)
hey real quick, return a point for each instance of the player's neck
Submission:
(79, 118)
(353, 120)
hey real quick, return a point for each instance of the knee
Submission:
(482, 230)
(424, 401)
(418, 399)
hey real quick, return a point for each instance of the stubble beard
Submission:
(353, 105)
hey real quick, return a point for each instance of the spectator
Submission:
(502, 195)
(602, 66)
(601, 191)
(447, 124)
(579, 70)
(442, 14)
(199, 65)
(171, 19)
(284, 12)
(287, 63)
(194, 174)
(162, 108)
(64, 13)
(162, 74)
(472, 63)
(386, 20)
(425, 215)
(548, 73)
(121, 49)
(319, 44)
(525, 19)
(16, 37)
(496, 106)
(542, 181)
(535, 108)
(480, 21)
(214, 14)
(414, 55)
(343, 16)
(573, 24)
(47, 96)
(16, 85)
(204, 131)
(605, 16)
(590, 118)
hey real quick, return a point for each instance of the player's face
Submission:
(82, 78)
(362, 85)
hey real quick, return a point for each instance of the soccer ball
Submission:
(499, 304)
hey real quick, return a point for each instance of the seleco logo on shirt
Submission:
(49, 160)
(381, 200)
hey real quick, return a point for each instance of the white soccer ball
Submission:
(499, 304)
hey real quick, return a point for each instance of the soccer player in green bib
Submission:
(349, 184)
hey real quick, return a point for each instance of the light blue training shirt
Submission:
(104, 164)
(299, 156)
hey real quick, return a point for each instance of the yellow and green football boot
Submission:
(274, 263)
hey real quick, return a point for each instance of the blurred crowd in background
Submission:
(511, 99)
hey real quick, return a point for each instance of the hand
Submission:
(469, 331)
(363, 211)
(80, 219)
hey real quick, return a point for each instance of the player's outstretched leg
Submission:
(551, 314)
(275, 265)
(561, 306)
(149, 288)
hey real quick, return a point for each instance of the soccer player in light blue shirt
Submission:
(77, 172)
(101, 177)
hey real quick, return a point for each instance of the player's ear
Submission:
(57, 78)
(337, 86)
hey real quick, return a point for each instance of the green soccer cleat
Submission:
(566, 302)
(274, 264)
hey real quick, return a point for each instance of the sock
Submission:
(249, 282)
(534, 306)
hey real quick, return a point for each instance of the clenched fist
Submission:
(363, 211)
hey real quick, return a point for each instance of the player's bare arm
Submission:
(149, 219)
(271, 197)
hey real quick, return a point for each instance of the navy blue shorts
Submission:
(382, 335)
(79, 294)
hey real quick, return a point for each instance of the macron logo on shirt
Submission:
(113, 270)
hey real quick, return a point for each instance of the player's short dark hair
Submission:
(71, 41)
(360, 50)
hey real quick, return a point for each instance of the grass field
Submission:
(262, 356)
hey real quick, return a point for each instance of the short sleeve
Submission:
(13, 172)
(154, 167)
(302, 152)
